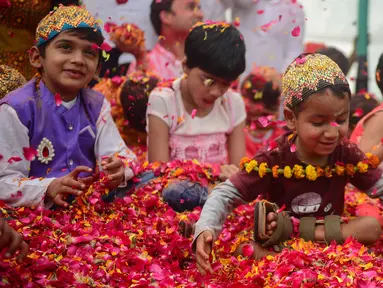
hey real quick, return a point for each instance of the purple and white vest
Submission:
(64, 138)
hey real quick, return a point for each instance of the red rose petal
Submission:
(29, 153)
(296, 31)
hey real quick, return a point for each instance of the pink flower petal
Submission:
(58, 99)
(264, 121)
(14, 159)
(247, 250)
(296, 31)
(358, 112)
(105, 47)
(94, 46)
(29, 153)
(194, 112)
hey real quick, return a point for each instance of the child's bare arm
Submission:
(372, 136)
(158, 141)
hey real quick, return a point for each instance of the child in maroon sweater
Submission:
(306, 171)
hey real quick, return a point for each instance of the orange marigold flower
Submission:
(328, 172)
(243, 161)
(350, 169)
(339, 170)
(373, 160)
(275, 171)
(320, 171)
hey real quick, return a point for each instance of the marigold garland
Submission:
(310, 172)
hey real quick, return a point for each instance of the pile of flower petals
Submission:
(134, 242)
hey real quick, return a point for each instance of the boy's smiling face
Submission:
(69, 64)
(320, 125)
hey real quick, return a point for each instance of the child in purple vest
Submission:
(55, 132)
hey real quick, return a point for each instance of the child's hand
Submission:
(114, 169)
(203, 250)
(12, 240)
(227, 171)
(69, 184)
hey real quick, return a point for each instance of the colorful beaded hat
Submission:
(10, 79)
(62, 19)
(307, 74)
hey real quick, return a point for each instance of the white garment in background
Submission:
(14, 136)
(275, 47)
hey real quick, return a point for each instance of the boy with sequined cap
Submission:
(306, 172)
(57, 130)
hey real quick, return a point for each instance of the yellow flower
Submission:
(339, 170)
(287, 172)
(244, 160)
(275, 171)
(251, 165)
(262, 169)
(311, 173)
(299, 173)
(362, 167)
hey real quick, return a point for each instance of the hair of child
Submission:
(256, 89)
(361, 105)
(378, 74)
(216, 48)
(134, 98)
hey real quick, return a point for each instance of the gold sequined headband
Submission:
(62, 19)
(10, 79)
(307, 74)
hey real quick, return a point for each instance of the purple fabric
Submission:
(68, 130)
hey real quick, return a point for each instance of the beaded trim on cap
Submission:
(62, 19)
(10, 79)
(307, 74)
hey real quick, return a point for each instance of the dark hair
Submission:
(378, 74)
(134, 98)
(155, 10)
(88, 34)
(217, 49)
(363, 102)
(339, 90)
(254, 84)
(337, 56)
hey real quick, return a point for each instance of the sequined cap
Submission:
(62, 19)
(307, 74)
(10, 79)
